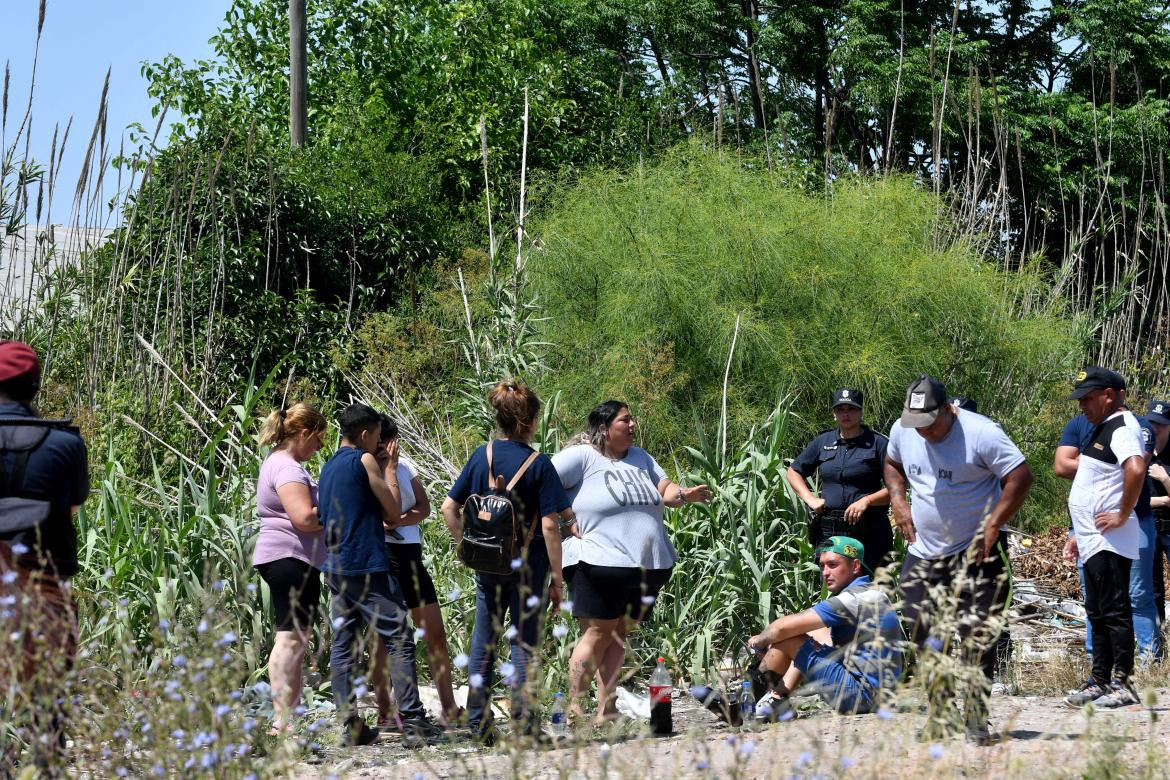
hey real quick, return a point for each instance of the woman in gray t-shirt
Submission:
(623, 557)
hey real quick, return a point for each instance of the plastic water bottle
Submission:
(556, 720)
(660, 688)
(747, 703)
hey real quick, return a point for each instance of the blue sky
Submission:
(80, 41)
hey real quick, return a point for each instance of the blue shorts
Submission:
(832, 681)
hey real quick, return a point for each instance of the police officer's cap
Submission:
(847, 396)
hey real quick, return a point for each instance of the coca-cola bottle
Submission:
(660, 688)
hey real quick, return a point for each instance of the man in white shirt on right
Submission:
(1110, 473)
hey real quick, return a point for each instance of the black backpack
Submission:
(491, 524)
(25, 517)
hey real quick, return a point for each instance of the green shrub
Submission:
(642, 274)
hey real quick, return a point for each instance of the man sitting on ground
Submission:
(865, 656)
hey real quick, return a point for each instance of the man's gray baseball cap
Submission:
(924, 398)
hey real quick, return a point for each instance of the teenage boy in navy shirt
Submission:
(357, 505)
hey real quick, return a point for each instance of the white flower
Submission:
(338, 622)
(8, 577)
(475, 680)
(566, 606)
(454, 594)
(560, 630)
(511, 633)
(461, 661)
(533, 601)
(419, 634)
(507, 670)
(647, 600)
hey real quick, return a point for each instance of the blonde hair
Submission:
(516, 405)
(283, 424)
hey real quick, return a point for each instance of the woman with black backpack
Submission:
(513, 541)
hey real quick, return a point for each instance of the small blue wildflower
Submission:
(848, 763)
(179, 661)
(219, 585)
(227, 638)
(202, 627)
(516, 563)
(461, 661)
(338, 622)
(222, 710)
(885, 714)
(804, 759)
(532, 601)
(560, 630)
(936, 751)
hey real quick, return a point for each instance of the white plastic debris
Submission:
(632, 705)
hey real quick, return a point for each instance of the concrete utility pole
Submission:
(298, 73)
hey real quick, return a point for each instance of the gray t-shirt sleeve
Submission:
(997, 451)
(570, 465)
(894, 448)
(657, 473)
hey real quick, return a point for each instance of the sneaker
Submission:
(1121, 694)
(981, 734)
(419, 732)
(1089, 692)
(356, 731)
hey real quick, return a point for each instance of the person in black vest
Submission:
(853, 501)
(44, 479)
(1158, 415)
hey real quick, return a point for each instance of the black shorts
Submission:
(406, 566)
(296, 592)
(608, 592)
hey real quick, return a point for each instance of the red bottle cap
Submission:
(661, 660)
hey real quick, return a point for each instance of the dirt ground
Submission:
(1042, 738)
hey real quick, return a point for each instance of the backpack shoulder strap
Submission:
(523, 468)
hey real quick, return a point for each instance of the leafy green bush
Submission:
(643, 274)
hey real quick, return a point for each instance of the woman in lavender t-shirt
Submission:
(290, 548)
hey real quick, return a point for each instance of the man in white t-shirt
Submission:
(967, 479)
(1111, 470)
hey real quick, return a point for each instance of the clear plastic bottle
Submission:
(747, 703)
(557, 724)
(660, 689)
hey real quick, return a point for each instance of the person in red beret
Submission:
(43, 481)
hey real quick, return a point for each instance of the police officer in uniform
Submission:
(848, 461)
(43, 481)
(1158, 482)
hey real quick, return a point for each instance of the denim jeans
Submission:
(496, 595)
(374, 600)
(1141, 594)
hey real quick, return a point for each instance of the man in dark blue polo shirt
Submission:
(43, 481)
(848, 461)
